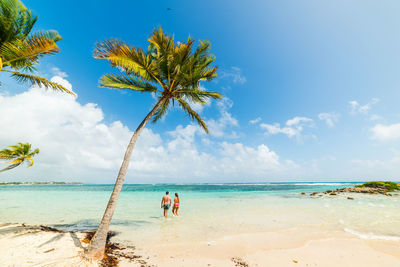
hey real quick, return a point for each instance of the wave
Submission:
(372, 235)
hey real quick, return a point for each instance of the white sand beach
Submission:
(303, 246)
(242, 228)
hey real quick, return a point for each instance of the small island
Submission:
(40, 183)
(374, 187)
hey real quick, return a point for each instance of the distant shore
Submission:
(40, 183)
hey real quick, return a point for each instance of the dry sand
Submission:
(22, 245)
(30, 246)
(302, 246)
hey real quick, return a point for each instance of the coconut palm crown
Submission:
(18, 154)
(172, 71)
(20, 50)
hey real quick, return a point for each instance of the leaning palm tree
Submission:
(18, 154)
(171, 71)
(20, 49)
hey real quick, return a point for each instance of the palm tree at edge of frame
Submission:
(20, 50)
(18, 154)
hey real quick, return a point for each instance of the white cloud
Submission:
(276, 128)
(57, 72)
(362, 109)
(77, 145)
(375, 117)
(256, 120)
(297, 120)
(386, 132)
(377, 168)
(293, 127)
(235, 74)
(62, 81)
(330, 118)
(226, 121)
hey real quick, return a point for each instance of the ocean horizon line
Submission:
(192, 183)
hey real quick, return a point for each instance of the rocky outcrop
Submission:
(357, 189)
(374, 187)
(365, 190)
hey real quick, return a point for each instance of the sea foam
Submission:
(372, 235)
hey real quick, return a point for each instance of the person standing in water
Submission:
(176, 205)
(166, 203)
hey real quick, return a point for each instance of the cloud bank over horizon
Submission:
(77, 145)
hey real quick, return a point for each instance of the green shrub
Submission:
(381, 184)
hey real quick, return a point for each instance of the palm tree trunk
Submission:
(96, 247)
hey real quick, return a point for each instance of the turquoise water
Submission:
(207, 210)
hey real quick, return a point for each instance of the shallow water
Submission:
(207, 211)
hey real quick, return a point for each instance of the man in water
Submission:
(166, 203)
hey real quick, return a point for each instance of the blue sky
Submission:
(326, 72)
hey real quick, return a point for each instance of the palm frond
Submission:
(34, 152)
(30, 162)
(162, 42)
(7, 154)
(202, 50)
(197, 93)
(131, 60)
(48, 34)
(12, 166)
(17, 161)
(192, 114)
(126, 81)
(41, 82)
(16, 21)
(18, 54)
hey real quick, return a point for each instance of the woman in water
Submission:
(176, 205)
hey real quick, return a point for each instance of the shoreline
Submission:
(217, 227)
(306, 245)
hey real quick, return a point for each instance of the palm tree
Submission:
(20, 49)
(18, 154)
(171, 71)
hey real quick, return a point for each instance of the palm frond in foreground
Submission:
(20, 50)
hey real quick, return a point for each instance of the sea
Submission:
(207, 211)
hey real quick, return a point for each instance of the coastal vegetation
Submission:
(373, 187)
(18, 154)
(20, 49)
(172, 72)
(391, 186)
